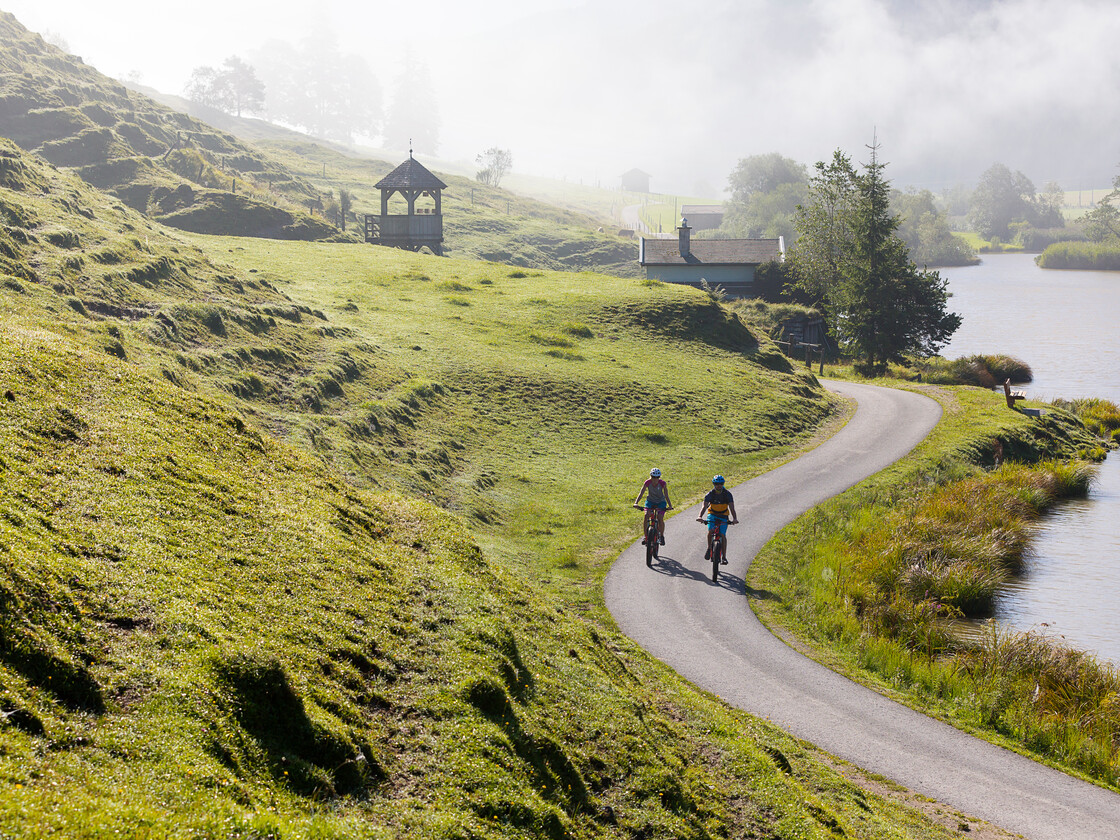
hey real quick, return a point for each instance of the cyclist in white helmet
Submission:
(656, 491)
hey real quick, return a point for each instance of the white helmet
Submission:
(655, 473)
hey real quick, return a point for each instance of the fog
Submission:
(588, 90)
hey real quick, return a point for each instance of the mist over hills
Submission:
(587, 91)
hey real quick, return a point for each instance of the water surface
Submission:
(1066, 326)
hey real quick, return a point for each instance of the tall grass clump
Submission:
(985, 371)
(1056, 700)
(954, 548)
(1081, 255)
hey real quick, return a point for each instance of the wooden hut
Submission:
(635, 181)
(421, 225)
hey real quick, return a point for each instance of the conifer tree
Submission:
(880, 306)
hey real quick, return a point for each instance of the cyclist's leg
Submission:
(661, 524)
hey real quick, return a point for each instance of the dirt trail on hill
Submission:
(708, 633)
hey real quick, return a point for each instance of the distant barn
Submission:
(635, 181)
(729, 263)
(703, 216)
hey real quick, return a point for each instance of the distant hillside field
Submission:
(159, 162)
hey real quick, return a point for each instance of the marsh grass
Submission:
(1102, 417)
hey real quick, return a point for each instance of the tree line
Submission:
(855, 244)
(329, 94)
(767, 190)
(1004, 209)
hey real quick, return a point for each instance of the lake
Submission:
(1066, 326)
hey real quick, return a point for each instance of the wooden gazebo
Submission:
(418, 227)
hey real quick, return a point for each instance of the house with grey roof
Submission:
(730, 263)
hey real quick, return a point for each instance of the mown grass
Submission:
(880, 575)
(229, 607)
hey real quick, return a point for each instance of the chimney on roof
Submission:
(684, 232)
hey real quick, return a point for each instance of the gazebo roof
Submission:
(410, 175)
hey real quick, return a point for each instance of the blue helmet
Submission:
(655, 473)
(717, 479)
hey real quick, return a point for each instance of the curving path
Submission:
(708, 633)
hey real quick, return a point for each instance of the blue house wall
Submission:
(716, 275)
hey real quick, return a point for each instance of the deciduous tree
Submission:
(1001, 198)
(233, 88)
(1102, 223)
(495, 164)
(765, 192)
(413, 120)
(824, 228)
(320, 89)
(925, 230)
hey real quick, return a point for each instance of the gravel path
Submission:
(708, 633)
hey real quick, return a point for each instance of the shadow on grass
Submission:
(762, 594)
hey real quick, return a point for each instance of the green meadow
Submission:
(531, 403)
(305, 540)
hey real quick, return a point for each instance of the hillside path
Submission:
(708, 633)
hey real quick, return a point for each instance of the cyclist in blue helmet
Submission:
(657, 501)
(720, 507)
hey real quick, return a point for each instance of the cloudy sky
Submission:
(587, 90)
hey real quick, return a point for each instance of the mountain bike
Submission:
(649, 528)
(719, 546)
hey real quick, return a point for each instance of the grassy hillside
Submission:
(534, 225)
(207, 631)
(160, 162)
(183, 172)
(480, 222)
